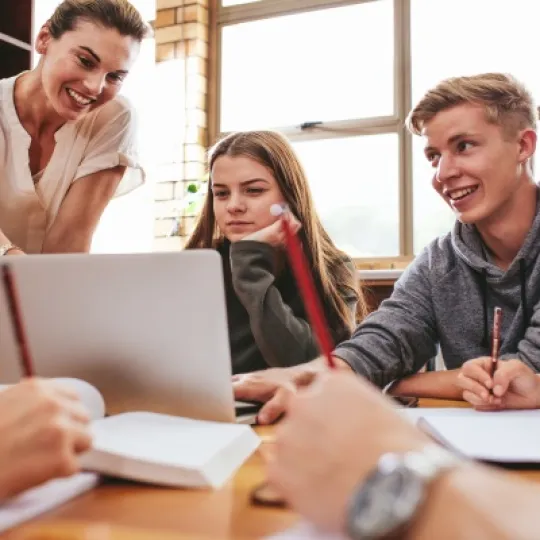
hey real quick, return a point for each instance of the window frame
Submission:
(394, 123)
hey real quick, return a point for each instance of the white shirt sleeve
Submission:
(113, 142)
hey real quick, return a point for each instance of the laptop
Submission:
(148, 330)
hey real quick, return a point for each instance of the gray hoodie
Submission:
(446, 297)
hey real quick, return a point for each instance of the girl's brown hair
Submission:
(332, 277)
(118, 14)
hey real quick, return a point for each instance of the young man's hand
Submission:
(275, 385)
(43, 427)
(272, 387)
(513, 386)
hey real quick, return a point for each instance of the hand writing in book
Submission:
(514, 385)
(332, 435)
(43, 427)
(273, 234)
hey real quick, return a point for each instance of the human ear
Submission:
(43, 39)
(527, 144)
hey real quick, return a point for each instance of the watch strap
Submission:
(414, 471)
(431, 461)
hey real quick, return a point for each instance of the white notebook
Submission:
(169, 450)
(162, 449)
(500, 437)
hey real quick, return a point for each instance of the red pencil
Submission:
(16, 320)
(304, 279)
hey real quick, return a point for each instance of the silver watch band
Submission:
(390, 497)
(432, 460)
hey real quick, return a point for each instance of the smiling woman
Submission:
(68, 140)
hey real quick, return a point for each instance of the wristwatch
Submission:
(4, 248)
(384, 506)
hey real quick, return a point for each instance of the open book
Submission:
(146, 447)
(162, 449)
(498, 437)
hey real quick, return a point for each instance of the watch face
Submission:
(387, 500)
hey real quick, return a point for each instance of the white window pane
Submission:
(331, 64)
(476, 37)
(354, 182)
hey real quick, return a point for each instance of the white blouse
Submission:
(101, 139)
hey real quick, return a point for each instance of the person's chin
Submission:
(232, 238)
(472, 217)
(68, 114)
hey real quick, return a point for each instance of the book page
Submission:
(38, 500)
(88, 394)
(168, 450)
(164, 439)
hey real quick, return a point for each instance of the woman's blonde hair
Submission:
(118, 14)
(332, 277)
(506, 101)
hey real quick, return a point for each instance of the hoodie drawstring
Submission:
(523, 293)
(523, 282)
(483, 288)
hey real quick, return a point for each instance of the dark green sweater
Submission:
(267, 322)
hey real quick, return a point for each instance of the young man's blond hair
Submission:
(507, 102)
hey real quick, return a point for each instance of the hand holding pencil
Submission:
(304, 279)
(495, 340)
(489, 384)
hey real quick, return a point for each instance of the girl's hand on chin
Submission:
(273, 234)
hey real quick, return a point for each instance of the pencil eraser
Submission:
(277, 209)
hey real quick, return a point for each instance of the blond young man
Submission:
(480, 135)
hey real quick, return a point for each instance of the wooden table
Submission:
(119, 510)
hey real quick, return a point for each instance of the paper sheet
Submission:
(304, 531)
(500, 436)
(43, 498)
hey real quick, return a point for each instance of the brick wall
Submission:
(181, 33)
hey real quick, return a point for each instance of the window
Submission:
(284, 64)
(358, 66)
(354, 183)
(345, 52)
